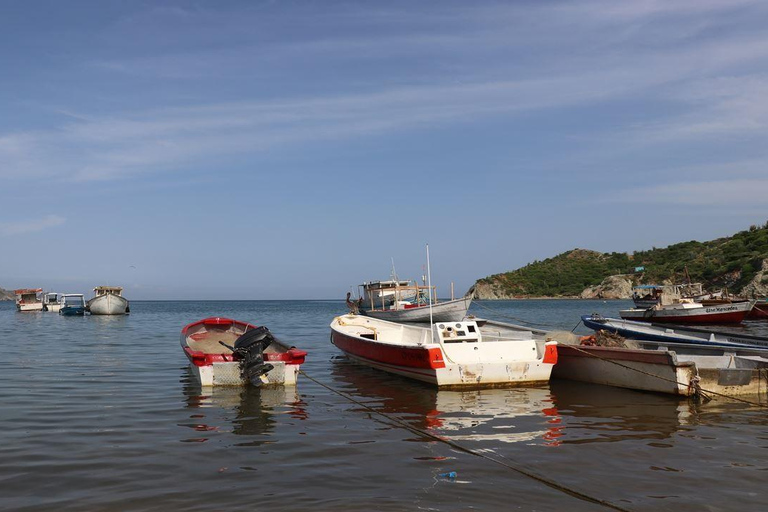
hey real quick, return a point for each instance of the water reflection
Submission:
(243, 411)
(601, 414)
(498, 415)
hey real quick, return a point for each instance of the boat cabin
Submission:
(51, 298)
(104, 290)
(386, 295)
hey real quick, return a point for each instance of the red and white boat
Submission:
(29, 299)
(214, 363)
(448, 355)
(691, 312)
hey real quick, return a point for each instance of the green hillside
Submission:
(730, 262)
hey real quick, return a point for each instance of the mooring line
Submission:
(509, 465)
(668, 380)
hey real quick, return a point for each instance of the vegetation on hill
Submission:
(730, 262)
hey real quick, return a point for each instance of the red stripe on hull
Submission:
(410, 357)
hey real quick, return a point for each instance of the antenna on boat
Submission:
(429, 291)
(394, 272)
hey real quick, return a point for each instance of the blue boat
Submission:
(72, 304)
(672, 333)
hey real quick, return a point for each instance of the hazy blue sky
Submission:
(291, 149)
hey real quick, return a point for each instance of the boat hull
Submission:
(441, 366)
(716, 314)
(72, 311)
(214, 365)
(449, 311)
(674, 334)
(37, 306)
(666, 370)
(108, 304)
(644, 370)
(53, 308)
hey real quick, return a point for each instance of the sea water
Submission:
(101, 413)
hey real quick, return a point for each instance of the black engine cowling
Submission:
(250, 351)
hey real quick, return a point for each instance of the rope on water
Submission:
(509, 465)
(525, 322)
(757, 404)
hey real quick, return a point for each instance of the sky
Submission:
(292, 149)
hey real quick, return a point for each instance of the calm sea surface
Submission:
(101, 413)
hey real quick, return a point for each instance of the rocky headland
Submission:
(738, 263)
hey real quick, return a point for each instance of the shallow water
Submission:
(100, 413)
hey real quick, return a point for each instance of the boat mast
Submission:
(429, 291)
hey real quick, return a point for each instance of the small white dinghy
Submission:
(226, 352)
(448, 355)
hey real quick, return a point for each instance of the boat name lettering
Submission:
(721, 309)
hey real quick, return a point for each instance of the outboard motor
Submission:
(249, 349)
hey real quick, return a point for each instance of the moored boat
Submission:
(674, 334)
(29, 299)
(691, 312)
(662, 370)
(226, 352)
(108, 300)
(51, 302)
(446, 311)
(446, 354)
(380, 294)
(72, 304)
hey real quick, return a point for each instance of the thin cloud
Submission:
(30, 226)
(715, 195)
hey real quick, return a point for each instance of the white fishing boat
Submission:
(51, 302)
(382, 294)
(29, 299)
(411, 303)
(447, 354)
(687, 311)
(226, 352)
(401, 311)
(108, 300)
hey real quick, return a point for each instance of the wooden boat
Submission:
(209, 344)
(406, 302)
(29, 299)
(446, 354)
(663, 370)
(649, 295)
(658, 366)
(673, 334)
(72, 304)
(108, 300)
(446, 311)
(51, 302)
(384, 293)
(691, 312)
